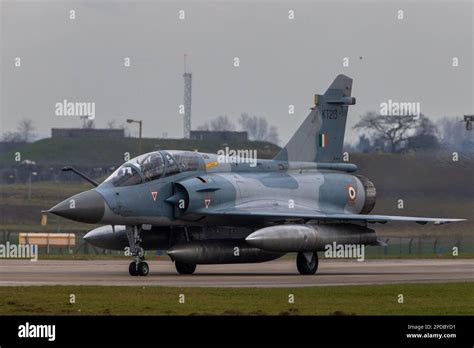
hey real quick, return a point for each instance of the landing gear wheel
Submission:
(143, 269)
(132, 269)
(185, 268)
(305, 267)
(137, 267)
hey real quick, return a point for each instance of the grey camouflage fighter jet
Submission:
(205, 209)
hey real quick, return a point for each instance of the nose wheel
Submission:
(137, 267)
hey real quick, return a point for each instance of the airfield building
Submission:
(86, 132)
(219, 135)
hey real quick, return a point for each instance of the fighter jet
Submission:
(204, 208)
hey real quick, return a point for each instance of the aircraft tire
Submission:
(305, 267)
(185, 268)
(132, 269)
(143, 269)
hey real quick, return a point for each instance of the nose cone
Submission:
(88, 206)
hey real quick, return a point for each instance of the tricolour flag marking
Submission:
(323, 140)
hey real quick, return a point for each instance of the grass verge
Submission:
(419, 299)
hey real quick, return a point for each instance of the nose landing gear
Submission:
(138, 266)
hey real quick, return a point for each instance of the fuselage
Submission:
(172, 188)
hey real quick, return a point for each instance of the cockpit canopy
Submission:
(155, 165)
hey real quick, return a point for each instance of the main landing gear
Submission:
(307, 262)
(138, 266)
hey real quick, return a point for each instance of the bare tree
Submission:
(88, 124)
(426, 127)
(364, 144)
(204, 127)
(392, 130)
(111, 124)
(218, 124)
(250, 125)
(26, 130)
(454, 133)
(222, 123)
(12, 137)
(262, 128)
(426, 136)
(257, 128)
(273, 136)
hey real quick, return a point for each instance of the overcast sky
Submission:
(282, 61)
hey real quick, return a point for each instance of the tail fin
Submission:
(321, 136)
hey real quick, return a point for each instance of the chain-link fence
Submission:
(403, 246)
(397, 246)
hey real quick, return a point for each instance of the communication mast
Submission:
(187, 101)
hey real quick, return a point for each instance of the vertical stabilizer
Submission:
(321, 136)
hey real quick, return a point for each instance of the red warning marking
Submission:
(154, 194)
(207, 201)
